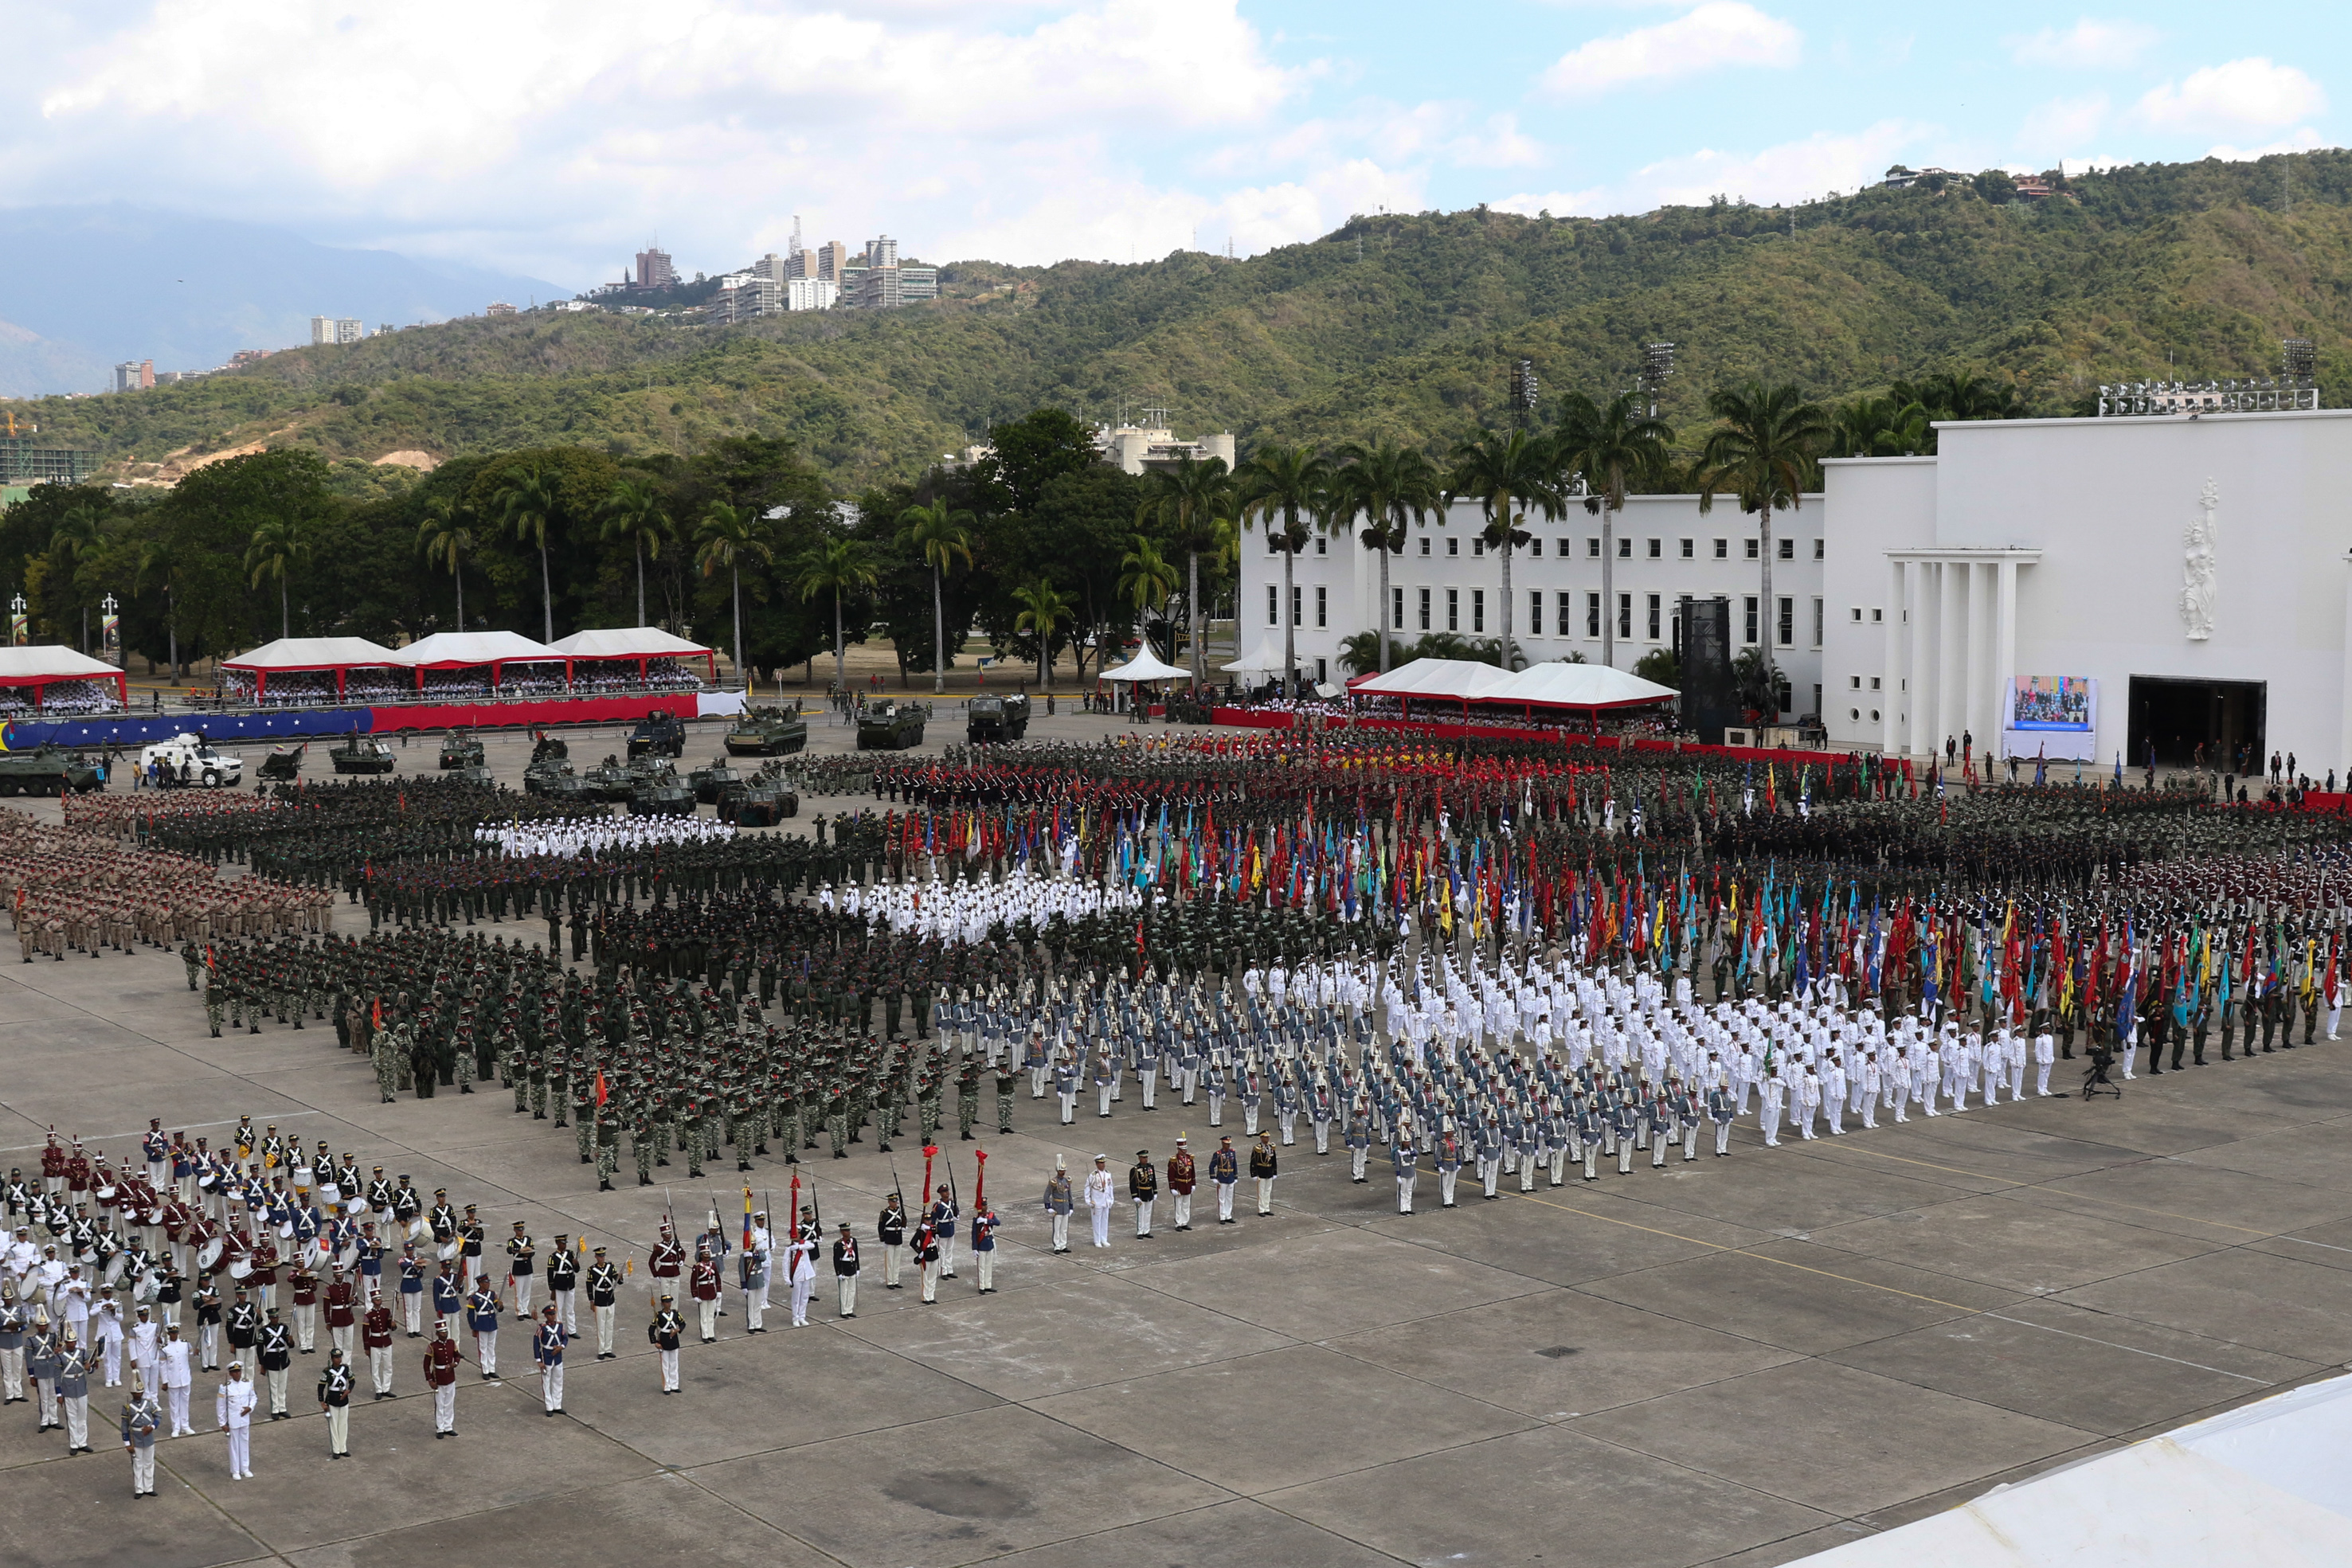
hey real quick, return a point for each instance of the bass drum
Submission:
(240, 1269)
(208, 1256)
(144, 1291)
(449, 1250)
(113, 1274)
(355, 1207)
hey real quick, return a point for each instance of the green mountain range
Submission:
(1397, 325)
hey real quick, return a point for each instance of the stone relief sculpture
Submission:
(2199, 567)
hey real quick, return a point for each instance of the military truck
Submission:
(282, 766)
(710, 783)
(891, 725)
(190, 759)
(767, 732)
(659, 734)
(991, 719)
(357, 753)
(46, 770)
(459, 749)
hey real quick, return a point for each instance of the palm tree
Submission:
(941, 535)
(1145, 580)
(1506, 474)
(77, 533)
(156, 561)
(1292, 484)
(728, 535)
(527, 502)
(444, 533)
(1882, 427)
(634, 512)
(836, 566)
(1390, 485)
(1607, 447)
(279, 545)
(1762, 451)
(1043, 611)
(1187, 498)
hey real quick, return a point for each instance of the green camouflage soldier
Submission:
(967, 1095)
(1007, 1076)
(195, 963)
(836, 1117)
(692, 1131)
(518, 1075)
(584, 1115)
(558, 1080)
(536, 1072)
(608, 1149)
(213, 1007)
(641, 1140)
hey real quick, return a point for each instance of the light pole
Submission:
(109, 631)
(17, 629)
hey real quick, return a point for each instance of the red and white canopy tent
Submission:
(52, 665)
(302, 655)
(492, 651)
(638, 644)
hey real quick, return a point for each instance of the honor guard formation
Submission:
(1539, 965)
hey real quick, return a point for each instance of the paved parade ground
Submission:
(1735, 1361)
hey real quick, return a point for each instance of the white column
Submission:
(2343, 746)
(1973, 703)
(2004, 654)
(1892, 662)
(1951, 648)
(1921, 705)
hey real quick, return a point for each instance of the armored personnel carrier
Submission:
(767, 732)
(892, 727)
(459, 749)
(660, 733)
(46, 770)
(357, 753)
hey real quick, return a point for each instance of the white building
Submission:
(2169, 580)
(811, 294)
(1562, 598)
(336, 329)
(1138, 447)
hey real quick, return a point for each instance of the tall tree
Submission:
(1186, 498)
(727, 537)
(1042, 611)
(634, 512)
(1509, 475)
(1389, 487)
(1610, 447)
(1145, 578)
(446, 535)
(79, 536)
(279, 545)
(942, 535)
(1762, 450)
(839, 567)
(1288, 488)
(527, 503)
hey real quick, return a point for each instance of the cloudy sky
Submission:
(553, 136)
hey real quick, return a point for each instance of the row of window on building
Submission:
(1655, 550)
(1656, 615)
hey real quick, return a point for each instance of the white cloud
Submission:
(545, 131)
(2252, 94)
(1719, 32)
(1792, 172)
(2088, 43)
(2302, 140)
(2062, 122)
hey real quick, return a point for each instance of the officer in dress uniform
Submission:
(441, 1376)
(1407, 1161)
(1182, 1177)
(563, 1280)
(1143, 1190)
(1225, 1174)
(375, 1338)
(890, 1230)
(141, 1418)
(845, 1271)
(927, 1258)
(603, 1301)
(275, 1346)
(547, 1350)
(1059, 1202)
(521, 1269)
(233, 1409)
(665, 1334)
(335, 1381)
(983, 1246)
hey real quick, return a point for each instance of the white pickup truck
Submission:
(191, 760)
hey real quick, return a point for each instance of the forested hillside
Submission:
(1399, 325)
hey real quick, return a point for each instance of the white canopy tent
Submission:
(1146, 666)
(1265, 659)
(297, 655)
(1457, 680)
(53, 664)
(461, 649)
(634, 645)
(1577, 685)
(2265, 1485)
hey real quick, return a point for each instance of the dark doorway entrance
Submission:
(2225, 717)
